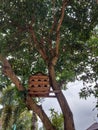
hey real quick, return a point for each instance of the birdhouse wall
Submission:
(39, 84)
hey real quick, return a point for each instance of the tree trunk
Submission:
(68, 117)
(34, 121)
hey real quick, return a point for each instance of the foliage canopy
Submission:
(18, 16)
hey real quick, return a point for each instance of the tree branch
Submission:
(54, 17)
(64, 4)
(55, 58)
(7, 70)
(29, 102)
(39, 47)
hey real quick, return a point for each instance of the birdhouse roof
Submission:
(40, 73)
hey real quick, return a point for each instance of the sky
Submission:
(83, 110)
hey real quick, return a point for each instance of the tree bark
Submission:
(34, 121)
(68, 116)
(40, 112)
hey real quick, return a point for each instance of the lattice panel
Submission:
(39, 85)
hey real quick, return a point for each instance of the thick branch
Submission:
(67, 114)
(38, 109)
(7, 70)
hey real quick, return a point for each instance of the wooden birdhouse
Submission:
(39, 85)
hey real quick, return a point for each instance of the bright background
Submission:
(83, 110)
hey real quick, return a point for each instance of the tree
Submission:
(57, 119)
(90, 89)
(14, 112)
(49, 36)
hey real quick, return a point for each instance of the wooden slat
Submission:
(38, 89)
(42, 92)
(55, 91)
(39, 77)
(44, 96)
(32, 92)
